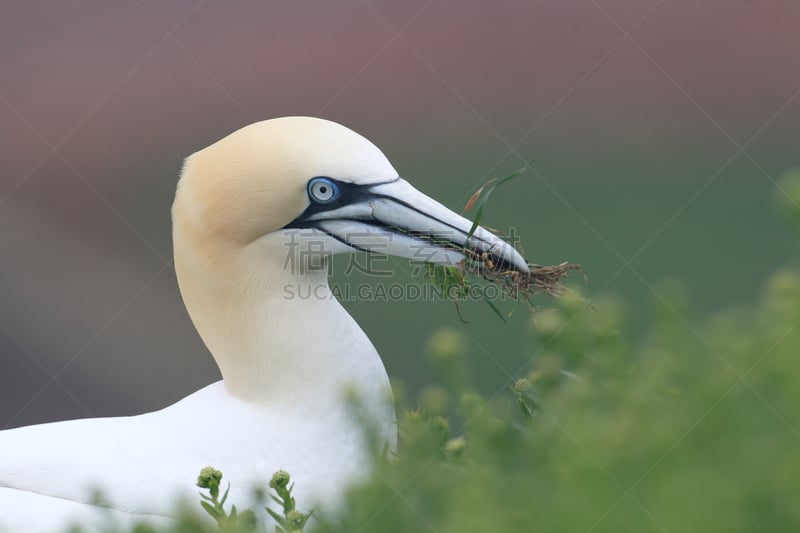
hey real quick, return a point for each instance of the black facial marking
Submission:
(349, 193)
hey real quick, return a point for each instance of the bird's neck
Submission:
(275, 330)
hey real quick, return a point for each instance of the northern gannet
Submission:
(287, 350)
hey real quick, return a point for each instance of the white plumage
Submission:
(243, 207)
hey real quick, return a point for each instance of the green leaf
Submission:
(213, 511)
(288, 503)
(497, 311)
(489, 187)
(278, 518)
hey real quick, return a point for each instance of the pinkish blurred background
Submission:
(659, 129)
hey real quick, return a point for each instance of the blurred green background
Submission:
(659, 129)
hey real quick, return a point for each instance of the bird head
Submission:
(324, 189)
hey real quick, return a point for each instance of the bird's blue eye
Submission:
(322, 190)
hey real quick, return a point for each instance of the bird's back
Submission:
(145, 465)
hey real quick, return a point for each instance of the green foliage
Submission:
(233, 522)
(188, 520)
(456, 282)
(481, 197)
(449, 279)
(691, 426)
(292, 520)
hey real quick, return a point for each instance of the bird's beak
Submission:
(395, 218)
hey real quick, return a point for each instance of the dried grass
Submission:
(520, 285)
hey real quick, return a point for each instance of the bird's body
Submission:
(137, 461)
(255, 217)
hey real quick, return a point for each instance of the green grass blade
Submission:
(484, 197)
(497, 311)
